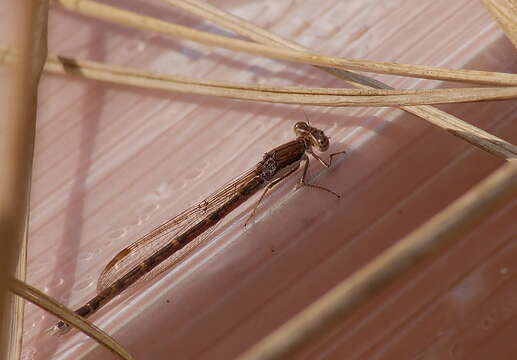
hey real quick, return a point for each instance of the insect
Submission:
(171, 241)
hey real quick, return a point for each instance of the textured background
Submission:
(112, 162)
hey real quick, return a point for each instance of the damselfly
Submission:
(172, 240)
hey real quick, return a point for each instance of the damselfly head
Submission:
(316, 137)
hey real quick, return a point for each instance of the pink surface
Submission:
(112, 162)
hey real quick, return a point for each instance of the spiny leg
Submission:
(266, 189)
(323, 162)
(302, 182)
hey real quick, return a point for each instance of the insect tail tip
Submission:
(59, 329)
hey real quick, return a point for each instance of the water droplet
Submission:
(117, 234)
(163, 190)
(150, 208)
(503, 270)
(194, 174)
(56, 283)
(137, 222)
(85, 256)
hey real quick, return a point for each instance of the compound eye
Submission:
(322, 142)
(301, 125)
(301, 128)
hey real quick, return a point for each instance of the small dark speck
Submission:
(272, 250)
(167, 301)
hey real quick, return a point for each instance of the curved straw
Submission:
(45, 302)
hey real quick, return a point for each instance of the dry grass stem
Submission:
(287, 95)
(114, 14)
(17, 131)
(45, 302)
(448, 122)
(439, 232)
(505, 13)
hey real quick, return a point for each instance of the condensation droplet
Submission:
(56, 283)
(503, 270)
(179, 185)
(150, 208)
(85, 256)
(163, 190)
(138, 222)
(193, 174)
(117, 234)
